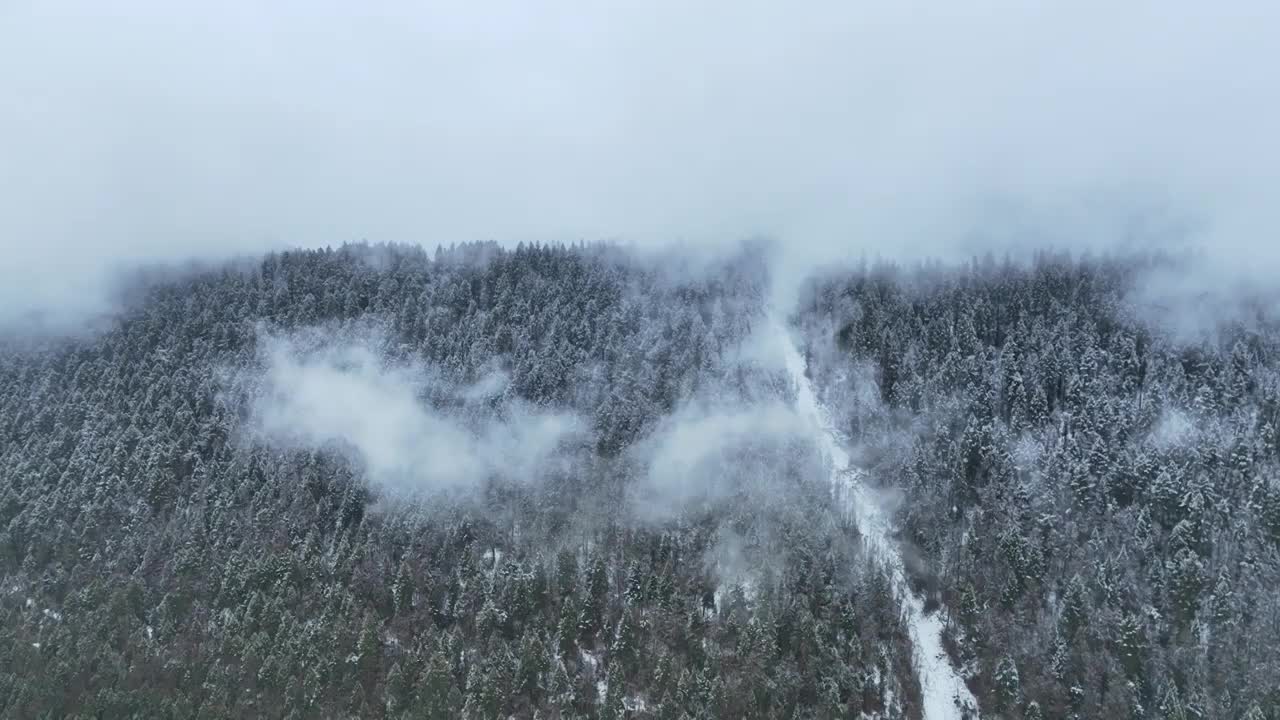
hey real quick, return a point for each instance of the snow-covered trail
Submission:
(945, 693)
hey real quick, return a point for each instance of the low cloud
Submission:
(346, 397)
(1192, 297)
(704, 456)
(1174, 429)
(144, 131)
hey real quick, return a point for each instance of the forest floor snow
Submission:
(945, 694)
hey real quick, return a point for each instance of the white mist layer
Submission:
(346, 397)
(143, 131)
(704, 455)
(944, 692)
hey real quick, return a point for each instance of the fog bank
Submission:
(147, 131)
(344, 396)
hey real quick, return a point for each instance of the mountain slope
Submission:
(1092, 496)
(168, 550)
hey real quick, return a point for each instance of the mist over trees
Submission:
(247, 470)
(162, 556)
(323, 484)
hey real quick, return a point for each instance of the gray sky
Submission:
(142, 129)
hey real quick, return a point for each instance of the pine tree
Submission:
(402, 589)
(533, 665)
(1131, 645)
(626, 644)
(611, 704)
(567, 633)
(1008, 685)
(397, 689)
(1171, 705)
(566, 574)
(1074, 608)
(434, 696)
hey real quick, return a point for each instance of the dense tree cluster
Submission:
(1098, 502)
(156, 563)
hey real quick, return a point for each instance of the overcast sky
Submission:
(159, 129)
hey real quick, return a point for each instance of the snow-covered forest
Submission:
(677, 553)
(578, 481)
(663, 360)
(1093, 499)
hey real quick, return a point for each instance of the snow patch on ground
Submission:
(493, 557)
(945, 694)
